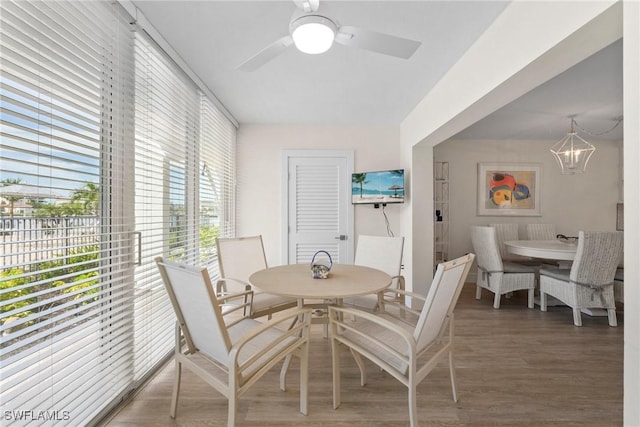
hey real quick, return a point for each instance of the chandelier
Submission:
(572, 152)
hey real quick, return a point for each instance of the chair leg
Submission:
(543, 301)
(335, 353)
(496, 300)
(176, 389)
(478, 292)
(413, 412)
(233, 402)
(363, 369)
(530, 301)
(304, 378)
(283, 373)
(452, 374)
(577, 317)
(613, 321)
(452, 367)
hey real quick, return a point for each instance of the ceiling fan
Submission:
(314, 32)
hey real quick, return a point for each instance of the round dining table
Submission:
(562, 251)
(296, 281)
(344, 280)
(545, 249)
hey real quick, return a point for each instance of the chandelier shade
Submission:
(572, 153)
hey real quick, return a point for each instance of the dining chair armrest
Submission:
(400, 285)
(223, 288)
(410, 294)
(298, 313)
(391, 294)
(402, 294)
(339, 326)
(225, 297)
(296, 334)
(398, 301)
(233, 302)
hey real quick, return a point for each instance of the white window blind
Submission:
(109, 157)
(65, 248)
(167, 127)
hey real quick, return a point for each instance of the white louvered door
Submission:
(319, 210)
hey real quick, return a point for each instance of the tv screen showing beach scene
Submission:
(378, 187)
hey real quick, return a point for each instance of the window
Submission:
(109, 156)
(217, 182)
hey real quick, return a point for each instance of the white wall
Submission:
(571, 202)
(259, 186)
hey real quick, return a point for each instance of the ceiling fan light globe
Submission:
(313, 34)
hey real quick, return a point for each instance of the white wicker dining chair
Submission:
(498, 276)
(590, 281)
(407, 350)
(383, 253)
(506, 232)
(229, 350)
(239, 258)
(541, 231)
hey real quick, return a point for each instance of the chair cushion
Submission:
(619, 274)
(556, 273)
(256, 345)
(514, 267)
(383, 335)
(369, 302)
(262, 301)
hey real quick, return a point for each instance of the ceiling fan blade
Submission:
(377, 42)
(266, 54)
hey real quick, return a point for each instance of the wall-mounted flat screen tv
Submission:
(378, 187)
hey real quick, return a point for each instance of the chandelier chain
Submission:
(573, 122)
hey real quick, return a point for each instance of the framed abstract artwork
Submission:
(509, 189)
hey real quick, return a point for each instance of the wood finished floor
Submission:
(515, 367)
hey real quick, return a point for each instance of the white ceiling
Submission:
(590, 91)
(351, 86)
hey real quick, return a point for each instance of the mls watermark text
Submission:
(31, 415)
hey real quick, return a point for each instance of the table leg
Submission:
(551, 301)
(287, 360)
